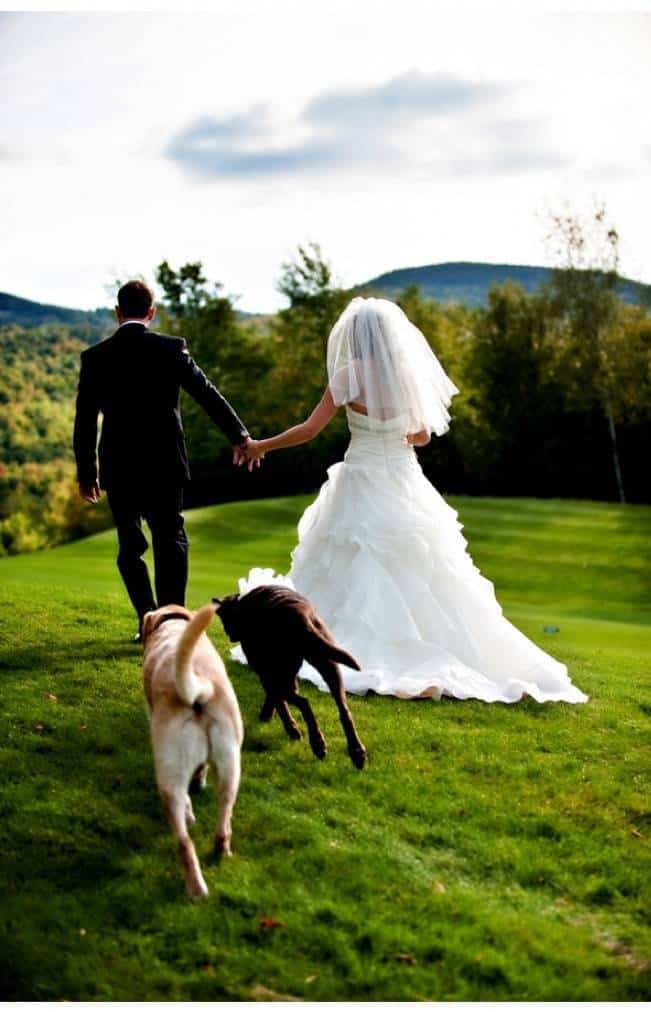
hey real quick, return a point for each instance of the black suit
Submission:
(134, 379)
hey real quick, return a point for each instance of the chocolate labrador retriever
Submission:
(278, 629)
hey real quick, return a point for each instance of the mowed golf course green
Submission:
(486, 851)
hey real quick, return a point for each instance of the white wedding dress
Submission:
(381, 556)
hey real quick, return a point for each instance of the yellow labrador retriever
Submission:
(195, 721)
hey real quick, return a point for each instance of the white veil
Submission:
(378, 359)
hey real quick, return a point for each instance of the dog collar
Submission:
(168, 618)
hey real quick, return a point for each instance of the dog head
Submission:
(153, 620)
(229, 611)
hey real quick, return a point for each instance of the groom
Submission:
(134, 379)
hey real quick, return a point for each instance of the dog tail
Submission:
(320, 648)
(191, 688)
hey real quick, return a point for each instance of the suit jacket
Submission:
(134, 379)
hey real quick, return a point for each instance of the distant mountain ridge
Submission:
(90, 322)
(26, 313)
(469, 282)
(466, 282)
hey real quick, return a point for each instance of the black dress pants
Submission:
(162, 508)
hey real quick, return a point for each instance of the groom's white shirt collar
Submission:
(132, 320)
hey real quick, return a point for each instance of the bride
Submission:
(380, 553)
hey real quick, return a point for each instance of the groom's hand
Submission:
(253, 454)
(90, 493)
(241, 453)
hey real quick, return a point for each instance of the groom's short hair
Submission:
(135, 299)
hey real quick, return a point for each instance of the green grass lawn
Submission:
(486, 851)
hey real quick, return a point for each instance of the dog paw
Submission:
(319, 748)
(358, 757)
(223, 846)
(197, 890)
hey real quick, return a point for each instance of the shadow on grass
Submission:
(66, 657)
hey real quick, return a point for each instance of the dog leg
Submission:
(332, 677)
(288, 722)
(317, 741)
(179, 749)
(275, 703)
(174, 803)
(225, 753)
(267, 711)
(189, 811)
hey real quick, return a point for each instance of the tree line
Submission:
(555, 391)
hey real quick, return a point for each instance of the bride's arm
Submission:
(323, 413)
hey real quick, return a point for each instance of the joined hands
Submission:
(249, 452)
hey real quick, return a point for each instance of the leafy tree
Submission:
(37, 473)
(300, 332)
(235, 356)
(297, 340)
(306, 278)
(514, 390)
(450, 331)
(185, 290)
(299, 337)
(629, 351)
(584, 297)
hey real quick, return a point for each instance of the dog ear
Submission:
(147, 623)
(217, 603)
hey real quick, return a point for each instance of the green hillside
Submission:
(93, 323)
(469, 283)
(486, 852)
(27, 313)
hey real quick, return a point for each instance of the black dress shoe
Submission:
(141, 618)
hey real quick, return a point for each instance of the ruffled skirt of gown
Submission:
(382, 557)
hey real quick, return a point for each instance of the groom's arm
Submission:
(197, 384)
(85, 431)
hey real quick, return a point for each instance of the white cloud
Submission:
(458, 122)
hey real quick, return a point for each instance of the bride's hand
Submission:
(253, 452)
(421, 438)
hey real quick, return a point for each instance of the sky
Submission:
(393, 135)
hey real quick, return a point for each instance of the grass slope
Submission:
(487, 852)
